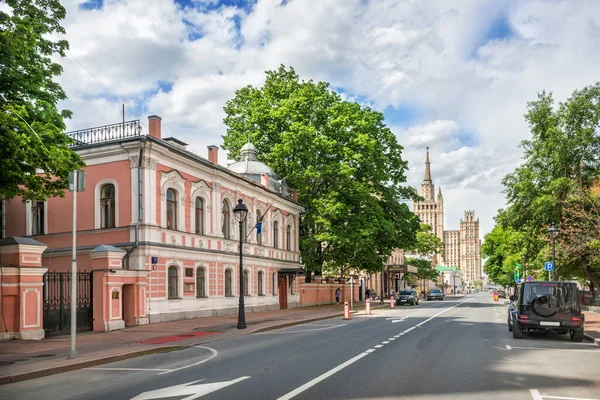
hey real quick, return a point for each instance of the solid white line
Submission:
(300, 331)
(409, 329)
(508, 347)
(537, 396)
(318, 379)
(329, 373)
(127, 369)
(213, 355)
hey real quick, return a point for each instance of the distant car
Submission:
(435, 294)
(551, 307)
(407, 296)
(501, 293)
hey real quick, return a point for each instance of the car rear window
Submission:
(564, 293)
(434, 291)
(405, 292)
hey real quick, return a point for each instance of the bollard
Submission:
(392, 302)
(346, 310)
(368, 311)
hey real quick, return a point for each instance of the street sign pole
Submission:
(73, 352)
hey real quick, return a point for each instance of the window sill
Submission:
(229, 295)
(202, 297)
(174, 298)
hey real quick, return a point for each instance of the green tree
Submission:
(422, 253)
(345, 163)
(35, 159)
(562, 157)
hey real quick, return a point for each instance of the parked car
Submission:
(407, 296)
(551, 307)
(435, 294)
(501, 293)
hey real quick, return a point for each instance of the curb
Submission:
(592, 339)
(85, 364)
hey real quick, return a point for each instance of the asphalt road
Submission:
(453, 349)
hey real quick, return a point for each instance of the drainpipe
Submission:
(139, 221)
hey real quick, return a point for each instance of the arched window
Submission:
(200, 282)
(276, 234)
(274, 283)
(288, 238)
(171, 209)
(199, 216)
(38, 218)
(228, 283)
(260, 284)
(173, 283)
(258, 231)
(107, 206)
(246, 278)
(226, 229)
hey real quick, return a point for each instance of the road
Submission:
(451, 349)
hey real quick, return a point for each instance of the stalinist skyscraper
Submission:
(461, 247)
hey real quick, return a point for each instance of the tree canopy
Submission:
(420, 255)
(35, 159)
(342, 159)
(554, 183)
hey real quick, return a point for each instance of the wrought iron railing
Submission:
(106, 133)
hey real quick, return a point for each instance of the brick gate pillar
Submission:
(21, 289)
(107, 265)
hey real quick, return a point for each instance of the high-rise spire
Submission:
(427, 168)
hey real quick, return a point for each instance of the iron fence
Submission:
(106, 133)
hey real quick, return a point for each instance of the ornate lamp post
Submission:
(241, 212)
(553, 232)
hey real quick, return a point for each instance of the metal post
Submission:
(241, 314)
(381, 300)
(73, 352)
(351, 292)
(551, 273)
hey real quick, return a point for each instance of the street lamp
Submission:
(553, 232)
(241, 212)
(382, 268)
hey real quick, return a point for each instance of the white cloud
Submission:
(471, 92)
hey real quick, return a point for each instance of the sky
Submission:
(454, 76)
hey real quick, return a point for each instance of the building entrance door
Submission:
(282, 278)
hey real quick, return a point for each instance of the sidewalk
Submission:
(21, 360)
(592, 326)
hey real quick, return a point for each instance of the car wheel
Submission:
(517, 332)
(576, 336)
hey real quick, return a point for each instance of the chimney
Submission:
(154, 126)
(264, 180)
(213, 154)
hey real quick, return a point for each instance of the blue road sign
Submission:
(530, 278)
(518, 280)
(549, 266)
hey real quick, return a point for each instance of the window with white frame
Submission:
(107, 206)
(226, 218)
(199, 216)
(171, 209)
(228, 283)
(288, 238)
(276, 234)
(173, 282)
(200, 282)
(260, 283)
(38, 221)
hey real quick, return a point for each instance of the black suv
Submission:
(546, 307)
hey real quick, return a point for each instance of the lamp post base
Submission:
(241, 325)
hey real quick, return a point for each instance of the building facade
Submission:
(462, 247)
(170, 212)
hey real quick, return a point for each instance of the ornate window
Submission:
(171, 209)
(276, 234)
(288, 238)
(37, 218)
(258, 232)
(228, 283)
(226, 217)
(107, 206)
(274, 283)
(199, 216)
(200, 282)
(260, 283)
(246, 278)
(173, 283)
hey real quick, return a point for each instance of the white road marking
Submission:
(213, 355)
(351, 361)
(378, 346)
(392, 338)
(551, 349)
(508, 347)
(466, 324)
(369, 351)
(537, 396)
(320, 378)
(127, 369)
(409, 329)
(385, 342)
(192, 390)
(300, 331)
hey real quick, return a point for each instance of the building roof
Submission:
(249, 164)
(107, 247)
(20, 240)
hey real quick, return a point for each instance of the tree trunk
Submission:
(592, 276)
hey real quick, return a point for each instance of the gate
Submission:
(57, 302)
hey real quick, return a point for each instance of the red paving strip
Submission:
(175, 338)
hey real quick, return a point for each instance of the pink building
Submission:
(156, 227)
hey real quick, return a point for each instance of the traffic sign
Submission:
(518, 280)
(530, 278)
(549, 266)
